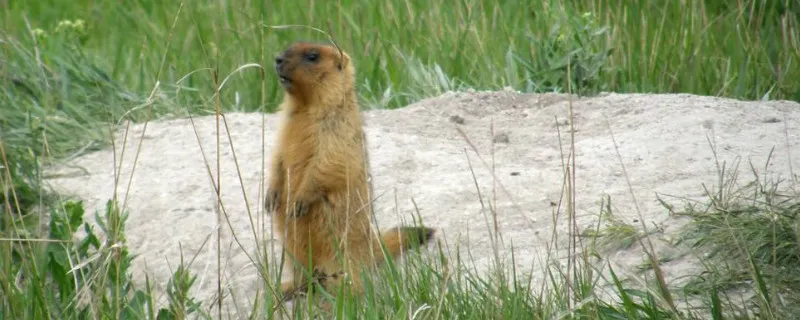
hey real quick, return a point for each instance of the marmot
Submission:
(319, 190)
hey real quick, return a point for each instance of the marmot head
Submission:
(314, 71)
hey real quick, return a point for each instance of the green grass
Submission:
(70, 73)
(407, 50)
(750, 238)
(612, 232)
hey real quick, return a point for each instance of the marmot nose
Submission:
(279, 60)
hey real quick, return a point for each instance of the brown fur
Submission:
(319, 191)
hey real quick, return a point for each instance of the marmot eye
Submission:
(312, 56)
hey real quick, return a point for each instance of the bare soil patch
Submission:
(418, 153)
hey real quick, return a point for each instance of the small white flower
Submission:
(63, 25)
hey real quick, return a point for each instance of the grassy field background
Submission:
(70, 71)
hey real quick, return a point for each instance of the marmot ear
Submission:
(345, 61)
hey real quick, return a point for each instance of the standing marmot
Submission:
(319, 189)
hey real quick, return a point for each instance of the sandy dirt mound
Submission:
(418, 153)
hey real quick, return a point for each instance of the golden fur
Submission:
(319, 190)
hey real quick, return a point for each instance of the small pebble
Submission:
(457, 119)
(501, 138)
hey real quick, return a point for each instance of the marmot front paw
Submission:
(300, 209)
(271, 201)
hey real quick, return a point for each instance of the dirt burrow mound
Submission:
(419, 153)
